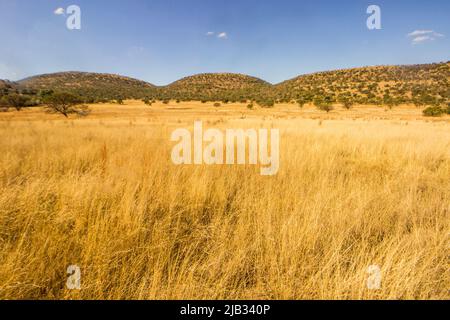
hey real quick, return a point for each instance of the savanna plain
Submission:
(355, 188)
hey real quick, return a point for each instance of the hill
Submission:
(216, 86)
(91, 86)
(372, 85)
(8, 86)
(426, 84)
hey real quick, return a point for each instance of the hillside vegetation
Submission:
(419, 84)
(217, 87)
(423, 85)
(93, 87)
(7, 87)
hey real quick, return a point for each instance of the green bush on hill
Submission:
(433, 111)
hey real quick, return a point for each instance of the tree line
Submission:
(66, 103)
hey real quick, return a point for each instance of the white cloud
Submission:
(421, 39)
(421, 36)
(419, 33)
(59, 11)
(210, 33)
(222, 35)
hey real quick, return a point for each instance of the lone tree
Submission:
(17, 101)
(147, 101)
(389, 101)
(323, 104)
(65, 103)
(345, 101)
(3, 105)
(301, 101)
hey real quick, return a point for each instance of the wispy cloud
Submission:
(421, 39)
(419, 33)
(59, 11)
(421, 36)
(221, 35)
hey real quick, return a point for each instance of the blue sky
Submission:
(161, 41)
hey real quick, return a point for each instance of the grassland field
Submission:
(360, 187)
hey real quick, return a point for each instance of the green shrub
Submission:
(433, 112)
(14, 100)
(323, 104)
(345, 101)
(389, 101)
(267, 103)
(217, 104)
(447, 109)
(301, 102)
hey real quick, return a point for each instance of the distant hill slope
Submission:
(420, 84)
(217, 86)
(91, 85)
(8, 86)
(372, 84)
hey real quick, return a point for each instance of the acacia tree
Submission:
(65, 103)
(389, 101)
(345, 101)
(347, 104)
(17, 101)
(301, 101)
(3, 105)
(147, 101)
(323, 104)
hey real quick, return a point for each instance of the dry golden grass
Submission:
(102, 193)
